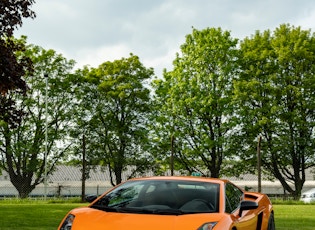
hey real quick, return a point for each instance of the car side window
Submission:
(233, 197)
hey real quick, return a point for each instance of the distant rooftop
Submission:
(65, 173)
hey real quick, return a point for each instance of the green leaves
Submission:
(195, 97)
(204, 115)
(119, 115)
(273, 91)
(23, 154)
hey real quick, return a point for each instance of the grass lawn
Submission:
(292, 217)
(46, 215)
(31, 215)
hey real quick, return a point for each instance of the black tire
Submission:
(271, 222)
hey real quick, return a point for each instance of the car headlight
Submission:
(67, 224)
(207, 226)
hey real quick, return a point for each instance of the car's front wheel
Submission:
(271, 222)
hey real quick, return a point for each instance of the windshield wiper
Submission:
(139, 210)
(123, 210)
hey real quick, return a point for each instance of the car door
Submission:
(233, 198)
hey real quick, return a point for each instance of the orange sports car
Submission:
(174, 203)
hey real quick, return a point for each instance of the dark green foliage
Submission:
(12, 69)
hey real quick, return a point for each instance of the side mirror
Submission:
(90, 198)
(247, 205)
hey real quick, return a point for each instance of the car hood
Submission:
(89, 218)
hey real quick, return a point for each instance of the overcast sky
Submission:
(94, 31)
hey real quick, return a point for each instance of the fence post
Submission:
(259, 163)
(83, 169)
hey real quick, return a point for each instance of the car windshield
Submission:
(173, 197)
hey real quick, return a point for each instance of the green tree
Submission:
(120, 108)
(195, 101)
(22, 149)
(276, 97)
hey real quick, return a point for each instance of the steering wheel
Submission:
(198, 205)
(208, 204)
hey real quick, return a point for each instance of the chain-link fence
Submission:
(66, 182)
(56, 190)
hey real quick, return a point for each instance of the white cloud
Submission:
(92, 32)
(307, 21)
(96, 56)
